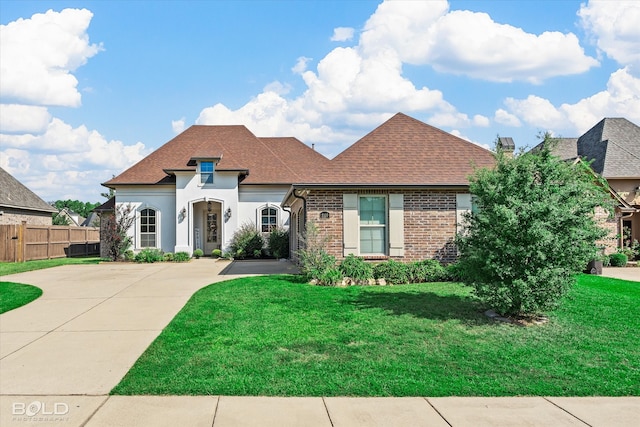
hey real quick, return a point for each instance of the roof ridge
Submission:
(276, 156)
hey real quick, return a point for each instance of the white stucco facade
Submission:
(191, 215)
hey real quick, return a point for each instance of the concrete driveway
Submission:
(624, 273)
(92, 323)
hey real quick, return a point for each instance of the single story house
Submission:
(399, 192)
(612, 147)
(18, 203)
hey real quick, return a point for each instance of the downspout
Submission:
(304, 213)
(304, 209)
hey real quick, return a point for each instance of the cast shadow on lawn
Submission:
(426, 305)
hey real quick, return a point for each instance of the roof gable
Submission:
(404, 150)
(14, 194)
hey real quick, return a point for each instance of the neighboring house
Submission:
(613, 148)
(18, 203)
(399, 192)
(73, 219)
(196, 190)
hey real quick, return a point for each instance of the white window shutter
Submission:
(396, 225)
(463, 205)
(350, 223)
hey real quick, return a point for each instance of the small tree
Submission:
(533, 232)
(114, 231)
(315, 262)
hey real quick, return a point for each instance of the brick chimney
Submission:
(507, 145)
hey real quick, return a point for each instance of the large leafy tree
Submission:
(533, 231)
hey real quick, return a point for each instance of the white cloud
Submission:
(473, 44)
(66, 162)
(277, 87)
(615, 28)
(178, 126)
(42, 52)
(342, 34)
(621, 98)
(455, 119)
(470, 43)
(301, 65)
(457, 133)
(505, 118)
(23, 118)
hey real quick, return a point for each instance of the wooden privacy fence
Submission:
(27, 242)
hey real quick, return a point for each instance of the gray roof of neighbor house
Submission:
(613, 146)
(13, 194)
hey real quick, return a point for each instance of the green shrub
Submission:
(454, 272)
(393, 272)
(168, 257)
(606, 261)
(314, 259)
(315, 266)
(356, 268)
(227, 255)
(129, 255)
(198, 253)
(278, 243)
(257, 253)
(428, 270)
(517, 249)
(181, 257)
(330, 277)
(216, 253)
(246, 241)
(149, 255)
(618, 260)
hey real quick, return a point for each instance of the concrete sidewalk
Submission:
(227, 411)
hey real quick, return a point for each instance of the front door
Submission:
(211, 239)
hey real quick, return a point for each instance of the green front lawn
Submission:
(274, 336)
(20, 267)
(14, 295)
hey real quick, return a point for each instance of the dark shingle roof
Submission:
(614, 146)
(267, 160)
(405, 151)
(13, 194)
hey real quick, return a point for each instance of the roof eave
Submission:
(27, 208)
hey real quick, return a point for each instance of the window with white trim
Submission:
(148, 227)
(206, 173)
(372, 211)
(268, 219)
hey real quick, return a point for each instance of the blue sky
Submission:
(89, 88)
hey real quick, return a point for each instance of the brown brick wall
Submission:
(610, 223)
(15, 216)
(429, 221)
